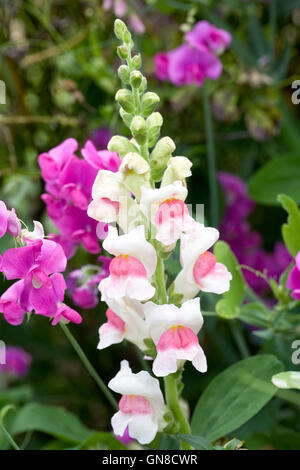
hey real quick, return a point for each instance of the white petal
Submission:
(159, 318)
(119, 422)
(103, 211)
(190, 315)
(134, 244)
(109, 335)
(152, 198)
(143, 428)
(165, 363)
(196, 242)
(217, 280)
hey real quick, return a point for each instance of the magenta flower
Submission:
(247, 244)
(17, 362)
(9, 221)
(69, 182)
(206, 35)
(41, 286)
(83, 283)
(293, 281)
(196, 60)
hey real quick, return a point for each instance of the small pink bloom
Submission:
(66, 314)
(207, 35)
(293, 281)
(136, 24)
(100, 159)
(161, 62)
(17, 362)
(10, 304)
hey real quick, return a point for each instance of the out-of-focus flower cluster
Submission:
(247, 244)
(195, 60)
(17, 363)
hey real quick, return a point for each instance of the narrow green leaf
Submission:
(236, 293)
(291, 230)
(234, 396)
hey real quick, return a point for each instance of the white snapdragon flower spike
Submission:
(112, 201)
(200, 270)
(174, 332)
(125, 320)
(141, 406)
(134, 264)
(36, 234)
(166, 209)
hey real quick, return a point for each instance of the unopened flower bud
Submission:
(139, 129)
(135, 172)
(143, 86)
(123, 52)
(149, 102)
(137, 61)
(120, 29)
(160, 156)
(154, 123)
(124, 97)
(121, 145)
(127, 117)
(136, 78)
(127, 37)
(178, 169)
(124, 74)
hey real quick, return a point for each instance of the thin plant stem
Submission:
(173, 402)
(9, 437)
(211, 160)
(89, 366)
(239, 339)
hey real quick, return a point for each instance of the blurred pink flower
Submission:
(17, 362)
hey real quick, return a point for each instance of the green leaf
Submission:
(16, 395)
(254, 313)
(290, 379)
(280, 175)
(226, 309)
(234, 396)
(51, 420)
(224, 255)
(291, 230)
(198, 442)
(102, 441)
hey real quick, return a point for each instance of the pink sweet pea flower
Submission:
(52, 162)
(133, 266)
(39, 265)
(66, 314)
(208, 36)
(174, 331)
(141, 407)
(9, 221)
(102, 159)
(17, 362)
(10, 304)
(293, 281)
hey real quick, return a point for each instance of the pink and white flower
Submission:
(134, 264)
(166, 209)
(174, 331)
(36, 234)
(200, 269)
(125, 320)
(141, 407)
(112, 201)
(9, 221)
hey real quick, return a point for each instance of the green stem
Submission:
(160, 281)
(173, 402)
(211, 160)
(89, 366)
(9, 437)
(239, 339)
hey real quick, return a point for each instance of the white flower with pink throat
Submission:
(200, 269)
(132, 268)
(166, 210)
(141, 407)
(174, 332)
(125, 320)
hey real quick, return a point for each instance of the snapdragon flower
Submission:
(141, 407)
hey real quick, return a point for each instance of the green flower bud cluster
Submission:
(138, 112)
